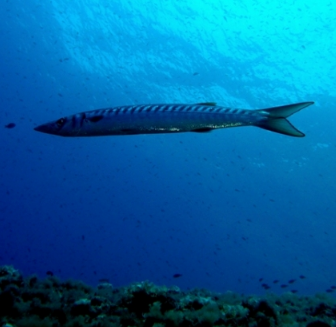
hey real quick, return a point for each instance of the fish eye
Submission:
(60, 122)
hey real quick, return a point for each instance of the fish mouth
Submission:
(45, 128)
(40, 128)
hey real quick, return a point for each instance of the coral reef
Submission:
(31, 302)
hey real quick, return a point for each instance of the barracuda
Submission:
(172, 118)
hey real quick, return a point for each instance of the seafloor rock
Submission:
(31, 302)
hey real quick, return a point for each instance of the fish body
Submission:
(10, 125)
(171, 118)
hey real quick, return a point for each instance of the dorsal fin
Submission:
(207, 104)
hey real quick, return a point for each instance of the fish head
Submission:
(57, 127)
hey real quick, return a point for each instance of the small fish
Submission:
(265, 286)
(49, 273)
(275, 281)
(291, 281)
(284, 286)
(177, 275)
(302, 277)
(10, 125)
(172, 118)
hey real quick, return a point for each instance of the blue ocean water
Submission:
(228, 210)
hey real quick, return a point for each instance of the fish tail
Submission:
(276, 119)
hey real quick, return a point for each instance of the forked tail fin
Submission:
(276, 119)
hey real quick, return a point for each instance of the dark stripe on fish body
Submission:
(73, 121)
(97, 113)
(140, 108)
(83, 116)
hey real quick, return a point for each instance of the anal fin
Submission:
(202, 130)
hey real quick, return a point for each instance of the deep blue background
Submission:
(223, 208)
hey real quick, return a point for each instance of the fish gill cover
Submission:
(240, 209)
